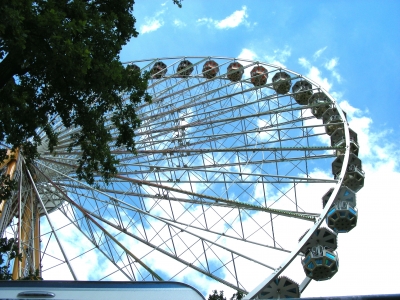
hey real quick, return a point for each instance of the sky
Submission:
(351, 50)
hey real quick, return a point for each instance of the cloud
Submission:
(315, 74)
(247, 54)
(319, 52)
(234, 20)
(304, 62)
(179, 23)
(279, 56)
(331, 65)
(152, 23)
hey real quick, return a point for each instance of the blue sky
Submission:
(351, 48)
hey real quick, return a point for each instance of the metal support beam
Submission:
(304, 284)
(51, 225)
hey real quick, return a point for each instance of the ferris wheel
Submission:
(243, 172)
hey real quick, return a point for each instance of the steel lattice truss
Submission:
(220, 172)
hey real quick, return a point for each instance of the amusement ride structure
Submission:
(241, 168)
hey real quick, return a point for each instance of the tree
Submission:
(216, 296)
(237, 296)
(61, 58)
(8, 252)
(220, 296)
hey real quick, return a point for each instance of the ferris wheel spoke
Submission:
(178, 230)
(180, 236)
(206, 198)
(189, 136)
(245, 150)
(23, 227)
(198, 108)
(242, 109)
(201, 139)
(212, 163)
(51, 225)
(224, 121)
(207, 220)
(145, 153)
(188, 141)
(163, 93)
(157, 197)
(211, 173)
(194, 100)
(279, 178)
(115, 226)
(113, 248)
(219, 233)
(184, 200)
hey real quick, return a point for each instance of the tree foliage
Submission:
(216, 296)
(7, 186)
(61, 58)
(220, 296)
(8, 252)
(237, 296)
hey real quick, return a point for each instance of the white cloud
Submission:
(205, 20)
(234, 20)
(319, 52)
(304, 62)
(279, 56)
(315, 74)
(332, 63)
(337, 76)
(247, 54)
(350, 110)
(179, 23)
(153, 23)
